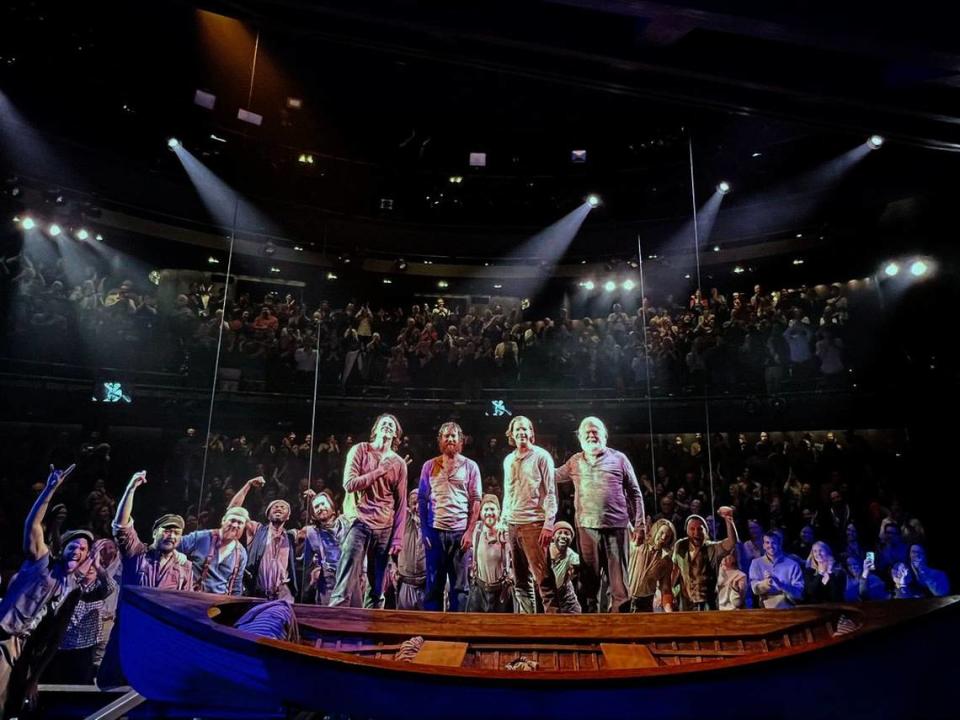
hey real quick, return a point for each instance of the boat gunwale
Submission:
(199, 624)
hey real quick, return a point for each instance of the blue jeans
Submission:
(362, 542)
(444, 561)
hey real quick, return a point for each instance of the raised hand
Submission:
(138, 478)
(58, 476)
(258, 481)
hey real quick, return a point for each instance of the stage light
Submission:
(82, 234)
(387, 281)
(738, 270)
(875, 142)
(294, 103)
(891, 270)
(687, 276)
(757, 154)
(400, 265)
(578, 156)
(99, 237)
(54, 230)
(442, 284)
(28, 223)
(716, 248)
(298, 248)
(212, 260)
(305, 159)
(331, 276)
(918, 268)
(173, 143)
(249, 117)
(204, 99)
(497, 286)
(798, 261)
(587, 285)
(724, 187)
(609, 286)
(629, 285)
(456, 179)
(274, 269)
(593, 200)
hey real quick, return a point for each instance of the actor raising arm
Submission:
(44, 586)
(271, 568)
(697, 559)
(608, 505)
(160, 565)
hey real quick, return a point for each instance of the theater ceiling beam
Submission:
(929, 119)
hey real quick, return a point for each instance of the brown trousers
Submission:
(529, 564)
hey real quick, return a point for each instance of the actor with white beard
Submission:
(609, 509)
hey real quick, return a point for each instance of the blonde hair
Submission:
(513, 421)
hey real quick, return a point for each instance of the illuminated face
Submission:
(806, 534)
(663, 537)
(820, 554)
(854, 566)
(167, 539)
(593, 438)
(771, 546)
(322, 508)
(522, 433)
(489, 514)
(279, 513)
(232, 526)
(696, 531)
(451, 442)
(563, 538)
(385, 430)
(75, 553)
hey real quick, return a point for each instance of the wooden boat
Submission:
(875, 660)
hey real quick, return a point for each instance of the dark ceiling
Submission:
(395, 95)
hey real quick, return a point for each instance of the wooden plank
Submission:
(438, 652)
(701, 653)
(614, 628)
(623, 656)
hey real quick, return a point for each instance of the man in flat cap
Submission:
(272, 548)
(160, 564)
